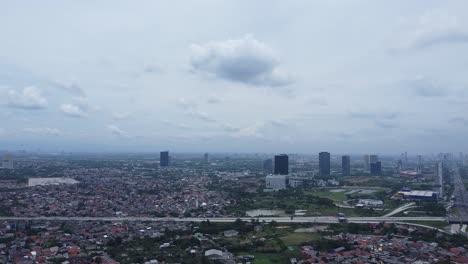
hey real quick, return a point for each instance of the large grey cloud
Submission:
(244, 60)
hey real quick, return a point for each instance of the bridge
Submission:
(302, 219)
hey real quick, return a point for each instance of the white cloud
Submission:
(43, 131)
(70, 87)
(431, 29)
(28, 98)
(72, 110)
(244, 60)
(115, 130)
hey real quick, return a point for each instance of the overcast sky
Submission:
(241, 76)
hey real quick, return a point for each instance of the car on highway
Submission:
(342, 218)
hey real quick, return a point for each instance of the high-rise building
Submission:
(419, 167)
(440, 175)
(324, 163)
(7, 162)
(282, 164)
(164, 158)
(366, 163)
(205, 158)
(368, 160)
(376, 168)
(346, 165)
(268, 165)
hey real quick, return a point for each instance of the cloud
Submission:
(186, 104)
(374, 115)
(29, 98)
(317, 101)
(43, 131)
(79, 108)
(214, 100)
(459, 120)
(421, 86)
(432, 29)
(245, 60)
(70, 87)
(72, 110)
(153, 69)
(115, 130)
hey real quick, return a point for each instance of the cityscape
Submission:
(234, 132)
(233, 208)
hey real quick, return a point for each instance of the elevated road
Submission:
(302, 219)
(461, 198)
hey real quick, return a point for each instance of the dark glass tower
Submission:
(376, 168)
(282, 164)
(324, 163)
(164, 159)
(346, 165)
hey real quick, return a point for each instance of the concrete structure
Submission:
(324, 163)
(205, 158)
(268, 165)
(366, 159)
(419, 167)
(164, 159)
(230, 233)
(294, 183)
(276, 182)
(282, 164)
(7, 162)
(370, 203)
(346, 165)
(440, 176)
(50, 181)
(418, 195)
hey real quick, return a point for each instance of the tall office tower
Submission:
(205, 158)
(7, 162)
(399, 166)
(164, 158)
(268, 165)
(419, 168)
(367, 163)
(376, 168)
(346, 165)
(324, 163)
(440, 175)
(406, 159)
(373, 158)
(282, 164)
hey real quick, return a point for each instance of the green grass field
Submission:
(335, 196)
(295, 239)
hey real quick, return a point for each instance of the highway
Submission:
(461, 196)
(302, 219)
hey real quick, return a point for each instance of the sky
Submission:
(241, 76)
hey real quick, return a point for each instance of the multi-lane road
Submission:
(461, 197)
(302, 219)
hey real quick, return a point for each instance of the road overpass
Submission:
(302, 219)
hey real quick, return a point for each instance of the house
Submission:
(230, 233)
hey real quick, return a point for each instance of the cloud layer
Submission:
(245, 60)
